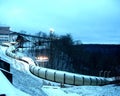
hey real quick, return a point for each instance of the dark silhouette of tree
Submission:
(60, 52)
(20, 39)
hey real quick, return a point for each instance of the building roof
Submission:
(4, 30)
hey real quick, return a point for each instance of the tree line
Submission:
(90, 59)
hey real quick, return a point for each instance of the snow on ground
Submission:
(7, 88)
(56, 91)
(34, 86)
(22, 78)
(27, 83)
(108, 90)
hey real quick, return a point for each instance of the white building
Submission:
(4, 34)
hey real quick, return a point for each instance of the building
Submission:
(4, 34)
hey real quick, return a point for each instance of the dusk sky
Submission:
(91, 21)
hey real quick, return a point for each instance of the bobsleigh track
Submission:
(59, 76)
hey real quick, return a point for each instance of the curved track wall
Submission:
(67, 78)
(59, 76)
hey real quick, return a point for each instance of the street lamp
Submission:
(52, 30)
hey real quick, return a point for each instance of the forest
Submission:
(89, 59)
(67, 55)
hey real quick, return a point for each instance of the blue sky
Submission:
(91, 21)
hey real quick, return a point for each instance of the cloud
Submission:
(84, 19)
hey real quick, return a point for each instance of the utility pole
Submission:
(51, 47)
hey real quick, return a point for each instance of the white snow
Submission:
(7, 88)
(56, 91)
(23, 80)
(108, 90)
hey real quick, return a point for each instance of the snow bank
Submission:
(7, 88)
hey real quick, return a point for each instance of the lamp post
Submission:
(51, 47)
(52, 30)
